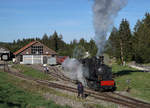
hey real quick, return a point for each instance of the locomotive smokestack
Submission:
(101, 59)
(105, 12)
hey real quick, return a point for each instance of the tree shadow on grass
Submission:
(125, 72)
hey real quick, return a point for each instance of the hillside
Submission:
(139, 81)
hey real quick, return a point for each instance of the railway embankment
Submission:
(53, 88)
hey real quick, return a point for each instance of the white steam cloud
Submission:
(104, 13)
(74, 70)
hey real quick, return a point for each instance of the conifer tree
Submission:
(112, 46)
(141, 40)
(125, 41)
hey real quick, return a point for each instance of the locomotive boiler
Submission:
(99, 75)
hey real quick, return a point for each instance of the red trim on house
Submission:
(28, 45)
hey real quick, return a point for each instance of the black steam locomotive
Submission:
(99, 75)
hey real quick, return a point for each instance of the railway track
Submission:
(121, 98)
(124, 100)
(55, 72)
(108, 95)
(131, 99)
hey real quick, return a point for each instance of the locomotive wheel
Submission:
(114, 89)
(101, 89)
(96, 89)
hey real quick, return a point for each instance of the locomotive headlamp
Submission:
(99, 69)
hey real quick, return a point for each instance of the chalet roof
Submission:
(30, 44)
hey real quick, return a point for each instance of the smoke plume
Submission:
(74, 70)
(105, 12)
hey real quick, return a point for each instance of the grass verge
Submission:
(29, 71)
(139, 81)
(12, 96)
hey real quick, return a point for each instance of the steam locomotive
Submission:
(99, 75)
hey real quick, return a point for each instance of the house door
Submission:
(44, 60)
(27, 59)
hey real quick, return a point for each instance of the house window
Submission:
(53, 55)
(21, 58)
(36, 49)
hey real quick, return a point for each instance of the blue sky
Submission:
(72, 18)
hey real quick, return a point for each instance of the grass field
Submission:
(34, 73)
(28, 71)
(12, 96)
(30, 94)
(139, 81)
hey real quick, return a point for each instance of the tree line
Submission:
(123, 44)
(127, 46)
(56, 43)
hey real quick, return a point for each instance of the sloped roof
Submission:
(30, 44)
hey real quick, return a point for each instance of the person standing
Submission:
(80, 89)
(47, 69)
(44, 69)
